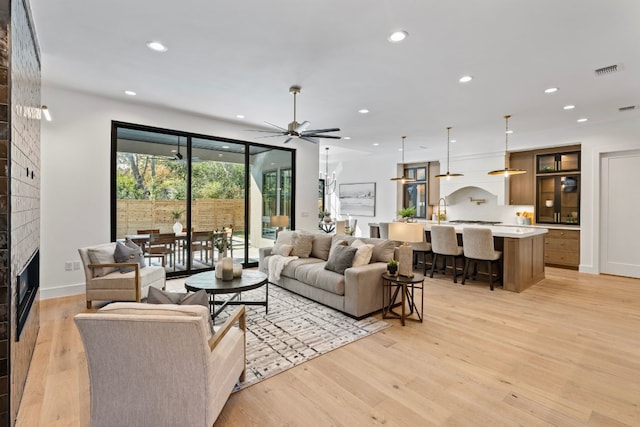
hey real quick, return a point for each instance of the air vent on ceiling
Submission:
(608, 70)
(628, 108)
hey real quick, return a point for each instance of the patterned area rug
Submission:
(295, 330)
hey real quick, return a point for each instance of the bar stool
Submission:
(421, 250)
(478, 246)
(445, 243)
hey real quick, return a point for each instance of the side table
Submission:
(406, 286)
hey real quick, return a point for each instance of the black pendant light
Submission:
(448, 175)
(403, 179)
(178, 156)
(507, 171)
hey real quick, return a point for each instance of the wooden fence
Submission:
(206, 214)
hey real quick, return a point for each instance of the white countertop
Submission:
(513, 231)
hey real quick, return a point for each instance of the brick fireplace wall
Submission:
(19, 193)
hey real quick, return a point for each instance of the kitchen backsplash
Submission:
(474, 203)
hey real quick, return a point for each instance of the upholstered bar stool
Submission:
(444, 242)
(420, 251)
(478, 246)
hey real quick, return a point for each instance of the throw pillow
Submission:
(302, 245)
(321, 246)
(158, 296)
(128, 254)
(340, 259)
(281, 249)
(102, 254)
(363, 253)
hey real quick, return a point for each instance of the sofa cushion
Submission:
(102, 254)
(158, 296)
(116, 280)
(340, 259)
(382, 248)
(321, 246)
(315, 275)
(363, 253)
(285, 237)
(126, 253)
(302, 245)
(291, 268)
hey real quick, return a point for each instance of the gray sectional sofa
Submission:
(357, 292)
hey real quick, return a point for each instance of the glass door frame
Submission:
(115, 125)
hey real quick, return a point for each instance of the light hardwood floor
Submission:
(565, 352)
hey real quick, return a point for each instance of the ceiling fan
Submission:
(298, 130)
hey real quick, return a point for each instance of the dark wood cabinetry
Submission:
(558, 188)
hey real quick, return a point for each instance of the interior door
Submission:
(620, 210)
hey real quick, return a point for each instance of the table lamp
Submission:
(406, 233)
(279, 222)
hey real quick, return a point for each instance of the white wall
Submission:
(76, 146)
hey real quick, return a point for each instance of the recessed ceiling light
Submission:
(363, 111)
(397, 36)
(465, 79)
(157, 46)
(346, 137)
(453, 140)
(400, 149)
(225, 147)
(130, 93)
(568, 107)
(239, 116)
(551, 90)
(508, 131)
(582, 120)
(375, 144)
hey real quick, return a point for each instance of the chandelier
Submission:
(329, 181)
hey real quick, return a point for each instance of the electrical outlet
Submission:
(305, 214)
(76, 265)
(68, 265)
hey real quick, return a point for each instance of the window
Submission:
(415, 193)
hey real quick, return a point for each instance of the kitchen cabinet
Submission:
(521, 187)
(558, 192)
(562, 248)
(434, 183)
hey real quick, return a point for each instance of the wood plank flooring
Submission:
(565, 352)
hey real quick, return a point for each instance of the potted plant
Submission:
(392, 267)
(407, 213)
(176, 215)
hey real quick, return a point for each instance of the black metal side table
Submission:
(392, 285)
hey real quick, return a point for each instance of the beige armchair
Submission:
(160, 365)
(104, 282)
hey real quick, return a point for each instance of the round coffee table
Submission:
(207, 281)
(402, 285)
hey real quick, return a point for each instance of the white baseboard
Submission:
(61, 291)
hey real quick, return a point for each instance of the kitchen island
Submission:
(522, 252)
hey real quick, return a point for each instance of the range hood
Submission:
(475, 175)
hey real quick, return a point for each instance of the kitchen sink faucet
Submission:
(444, 201)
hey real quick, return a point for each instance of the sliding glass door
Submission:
(188, 199)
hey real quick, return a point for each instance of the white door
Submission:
(620, 214)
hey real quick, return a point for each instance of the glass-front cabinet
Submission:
(558, 162)
(557, 191)
(559, 199)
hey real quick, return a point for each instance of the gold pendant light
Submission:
(403, 179)
(507, 171)
(448, 175)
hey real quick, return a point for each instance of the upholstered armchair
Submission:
(160, 364)
(106, 282)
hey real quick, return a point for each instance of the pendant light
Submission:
(403, 178)
(507, 171)
(448, 175)
(178, 156)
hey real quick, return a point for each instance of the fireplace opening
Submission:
(28, 283)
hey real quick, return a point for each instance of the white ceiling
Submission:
(241, 56)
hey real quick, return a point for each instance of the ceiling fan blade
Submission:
(306, 138)
(271, 136)
(288, 139)
(302, 126)
(267, 131)
(276, 126)
(323, 130)
(321, 136)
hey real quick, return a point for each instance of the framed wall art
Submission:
(358, 199)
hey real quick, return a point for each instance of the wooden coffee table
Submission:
(406, 287)
(250, 279)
